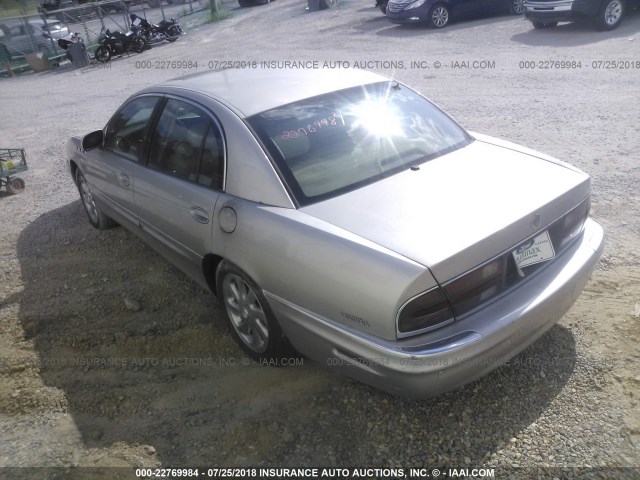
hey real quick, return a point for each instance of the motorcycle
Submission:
(118, 43)
(64, 43)
(168, 30)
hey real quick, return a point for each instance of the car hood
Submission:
(461, 209)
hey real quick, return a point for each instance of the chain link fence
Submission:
(30, 30)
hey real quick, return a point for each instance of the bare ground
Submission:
(86, 381)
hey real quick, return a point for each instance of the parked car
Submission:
(343, 214)
(69, 10)
(252, 3)
(438, 13)
(605, 14)
(157, 3)
(23, 37)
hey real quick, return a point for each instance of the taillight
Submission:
(571, 226)
(425, 312)
(476, 287)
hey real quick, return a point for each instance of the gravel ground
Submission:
(95, 327)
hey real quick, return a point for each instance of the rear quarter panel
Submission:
(319, 267)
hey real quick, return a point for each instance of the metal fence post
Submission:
(27, 27)
(162, 10)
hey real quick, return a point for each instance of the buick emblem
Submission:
(535, 221)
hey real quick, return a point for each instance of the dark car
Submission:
(438, 13)
(606, 14)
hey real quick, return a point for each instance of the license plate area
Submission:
(537, 250)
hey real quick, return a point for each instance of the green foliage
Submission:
(221, 14)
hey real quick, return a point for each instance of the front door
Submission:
(116, 165)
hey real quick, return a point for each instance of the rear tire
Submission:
(139, 44)
(249, 317)
(15, 185)
(97, 218)
(610, 15)
(439, 16)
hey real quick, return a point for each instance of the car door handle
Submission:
(200, 215)
(125, 181)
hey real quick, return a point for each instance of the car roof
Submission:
(249, 91)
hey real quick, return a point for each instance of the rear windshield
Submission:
(334, 143)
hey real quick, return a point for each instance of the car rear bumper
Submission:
(461, 352)
(561, 10)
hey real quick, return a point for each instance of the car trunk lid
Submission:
(462, 209)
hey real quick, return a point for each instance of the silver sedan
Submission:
(342, 215)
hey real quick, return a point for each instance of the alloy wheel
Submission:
(518, 6)
(613, 13)
(440, 17)
(87, 199)
(245, 312)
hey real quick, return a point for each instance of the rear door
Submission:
(176, 196)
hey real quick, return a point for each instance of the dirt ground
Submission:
(88, 379)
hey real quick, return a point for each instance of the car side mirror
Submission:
(92, 140)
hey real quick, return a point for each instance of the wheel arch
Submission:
(210, 264)
(73, 167)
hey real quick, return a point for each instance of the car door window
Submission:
(187, 145)
(127, 130)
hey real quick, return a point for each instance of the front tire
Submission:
(610, 15)
(96, 217)
(516, 7)
(439, 16)
(172, 33)
(103, 54)
(249, 317)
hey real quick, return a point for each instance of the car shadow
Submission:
(577, 33)
(142, 357)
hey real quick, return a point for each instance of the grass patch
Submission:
(221, 14)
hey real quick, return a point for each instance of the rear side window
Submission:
(187, 144)
(127, 130)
